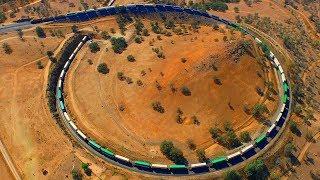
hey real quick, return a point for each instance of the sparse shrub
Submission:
(157, 107)
(259, 91)
(236, 9)
(183, 60)
(294, 127)
(87, 170)
(156, 28)
(103, 68)
(39, 65)
(214, 131)
(138, 39)
(139, 82)
(232, 175)
(185, 91)
(169, 24)
(20, 34)
(105, 35)
(173, 89)
(159, 37)
(50, 54)
(289, 149)
(201, 154)
(122, 107)
(76, 175)
(74, 29)
(121, 76)
(40, 32)
(94, 47)
(2, 17)
(145, 32)
(130, 58)
(217, 81)
(179, 119)
(309, 136)
(129, 80)
(6, 47)
(245, 136)
(259, 110)
(112, 30)
(191, 144)
(195, 120)
(89, 61)
(225, 38)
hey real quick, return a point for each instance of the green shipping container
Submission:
(177, 166)
(142, 163)
(107, 152)
(261, 138)
(218, 160)
(285, 87)
(284, 98)
(59, 94)
(94, 144)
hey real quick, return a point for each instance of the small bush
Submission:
(39, 65)
(89, 61)
(138, 39)
(139, 82)
(195, 120)
(94, 47)
(6, 47)
(232, 175)
(130, 58)
(121, 76)
(40, 32)
(183, 60)
(105, 35)
(245, 136)
(157, 107)
(129, 80)
(201, 154)
(103, 68)
(191, 144)
(185, 91)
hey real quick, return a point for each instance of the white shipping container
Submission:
(74, 127)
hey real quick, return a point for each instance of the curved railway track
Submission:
(218, 164)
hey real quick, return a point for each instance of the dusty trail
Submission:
(9, 162)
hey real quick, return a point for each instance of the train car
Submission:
(66, 65)
(177, 9)
(258, 40)
(111, 10)
(272, 131)
(36, 21)
(92, 14)
(102, 12)
(177, 167)
(60, 84)
(150, 8)
(261, 141)
(141, 9)
(235, 158)
(168, 8)
(62, 106)
(73, 17)
(276, 62)
(84, 137)
(142, 164)
(214, 17)
(83, 16)
(284, 98)
(248, 151)
(60, 18)
(71, 56)
(121, 158)
(73, 126)
(198, 165)
(94, 145)
(188, 11)
(160, 8)
(159, 166)
(283, 78)
(224, 21)
(49, 19)
(59, 94)
(84, 38)
(271, 55)
(66, 116)
(106, 152)
(132, 9)
(219, 162)
(62, 74)
(23, 20)
(280, 69)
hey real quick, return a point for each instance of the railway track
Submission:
(215, 165)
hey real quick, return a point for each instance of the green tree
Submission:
(76, 175)
(40, 32)
(257, 170)
(232, 175)
(166, 147)
(94, 47)
(2, 17)
(259, 110)
(245, 136)
(74, 28)
(201, 154)
(289, 149)
(86, 169)
(214, 131)
(118, 44)
(103, 68)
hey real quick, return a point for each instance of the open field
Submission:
(5, 171)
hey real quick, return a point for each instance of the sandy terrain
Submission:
(32, 138)
(5, 172)
(94, 99)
